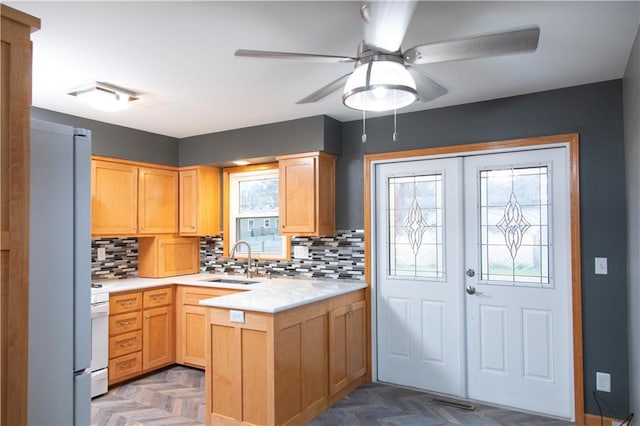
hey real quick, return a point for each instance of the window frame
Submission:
(227, 237)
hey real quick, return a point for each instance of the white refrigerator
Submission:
(59, 275)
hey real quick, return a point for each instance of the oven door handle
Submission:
(100, 310)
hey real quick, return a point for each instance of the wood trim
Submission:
(225, 203)
(572, 139)
(20, 17)
(306, 155)
(15, 89)
(594, 420)
(135, 163)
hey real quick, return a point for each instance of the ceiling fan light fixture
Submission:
(104, 96)
(380, 85)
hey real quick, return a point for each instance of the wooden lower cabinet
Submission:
(125, 367)
(348, 358)
(157, 338)
(141, 332)
(191, 323)
(275, 368)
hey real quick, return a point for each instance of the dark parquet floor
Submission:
(175, 396)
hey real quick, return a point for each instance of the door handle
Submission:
(472, 290)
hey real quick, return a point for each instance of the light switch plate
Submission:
(601, 266)
(236, 316)
(101, 253)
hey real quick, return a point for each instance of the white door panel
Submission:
(420, 290)
(519, 319)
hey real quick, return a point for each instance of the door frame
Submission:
(571, 141)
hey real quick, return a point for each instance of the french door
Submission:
(473, 279)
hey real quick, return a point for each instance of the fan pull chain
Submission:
(395, 135)
(364, 128)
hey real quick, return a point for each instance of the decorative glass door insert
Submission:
(415, 224)
(514, 225)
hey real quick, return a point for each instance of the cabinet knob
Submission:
(147, 316)
(193, 227)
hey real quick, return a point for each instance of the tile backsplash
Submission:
(339, 257)
(121, 258)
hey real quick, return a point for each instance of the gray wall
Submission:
(595, 112)
(117, 141)
(318, 133)
(631, 94)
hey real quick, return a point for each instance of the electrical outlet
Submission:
(301, 252)
(236, 316)
(603, 382)
(101, 253)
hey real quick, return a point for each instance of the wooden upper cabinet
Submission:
(114, 195)
(168, 256)
(199, 201)
(307, 194)
(129, 198)
(157, 201)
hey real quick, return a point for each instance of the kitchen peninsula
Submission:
(279, 352)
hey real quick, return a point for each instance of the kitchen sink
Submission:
(231, 281)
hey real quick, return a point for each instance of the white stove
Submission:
(99, 340)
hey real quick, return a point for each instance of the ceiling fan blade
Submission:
(293, 56)
(325, 90)
(386, 22)
(428, 89)
(505, 43)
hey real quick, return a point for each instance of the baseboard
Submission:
(594, 420)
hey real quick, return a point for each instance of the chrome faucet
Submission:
(233, 252)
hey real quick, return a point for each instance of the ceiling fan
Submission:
(384, 76)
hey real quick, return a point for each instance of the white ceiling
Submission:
(179, 55)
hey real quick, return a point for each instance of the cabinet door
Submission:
(157, 338)
(338, 349)
(297, 195)
(114, 195)
(191, 328)
(356, 340)
(200, 201)
(157, 201)
(178, 256)
(188, 201)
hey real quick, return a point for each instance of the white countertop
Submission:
(268, 295)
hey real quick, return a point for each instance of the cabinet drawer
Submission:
(125, 302)
(124, 323)
(125, 366)
(125, 344)
(193, 295)
(159, 297)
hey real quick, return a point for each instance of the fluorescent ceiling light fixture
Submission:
(382, 83)
(104, 96)
(241, 162)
